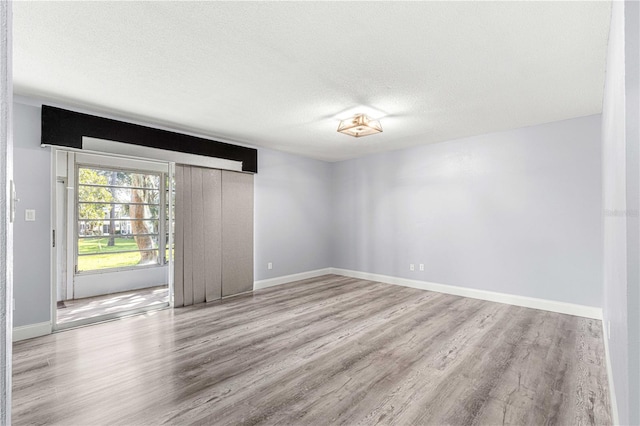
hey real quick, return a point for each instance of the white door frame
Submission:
(7, 200)
(69, 254)
(70, 155)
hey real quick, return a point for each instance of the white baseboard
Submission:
(612, 391)
(257, 285)
(32, 330)
(510, 299)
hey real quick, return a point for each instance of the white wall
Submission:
(292, 214)
(621, 192)
(515, 212)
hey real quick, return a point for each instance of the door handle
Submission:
(12, 201)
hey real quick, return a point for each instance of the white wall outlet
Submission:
(30, 215)
(269, 265)
(412, 267)
(422, 266)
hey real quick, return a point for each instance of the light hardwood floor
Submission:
(328, 350)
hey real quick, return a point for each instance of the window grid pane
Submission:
(118, 218)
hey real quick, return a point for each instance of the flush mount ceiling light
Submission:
(359, 125)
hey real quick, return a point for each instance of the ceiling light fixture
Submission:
(359, 125)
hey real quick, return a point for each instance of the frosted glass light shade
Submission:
(359, 125)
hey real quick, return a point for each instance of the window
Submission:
(120, 218)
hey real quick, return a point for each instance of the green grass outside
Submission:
(101, 245)
(106, 259)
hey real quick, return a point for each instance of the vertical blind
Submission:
(213, 234)
(198, 269)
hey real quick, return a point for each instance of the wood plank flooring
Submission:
(328, 350)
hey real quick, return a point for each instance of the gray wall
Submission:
(621, 191)
(291, 224)
(292, 214)
(632, 135)
(517, 212)
(32, 240)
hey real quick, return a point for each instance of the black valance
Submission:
(65, 128)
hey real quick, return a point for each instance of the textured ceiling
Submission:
(277, 74)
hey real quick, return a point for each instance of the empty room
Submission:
(319, 213)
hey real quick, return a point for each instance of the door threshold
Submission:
(109, 317)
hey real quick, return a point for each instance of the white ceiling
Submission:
(276, 74)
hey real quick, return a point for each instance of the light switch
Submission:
(30, 215)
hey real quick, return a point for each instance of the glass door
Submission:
(119, 246)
